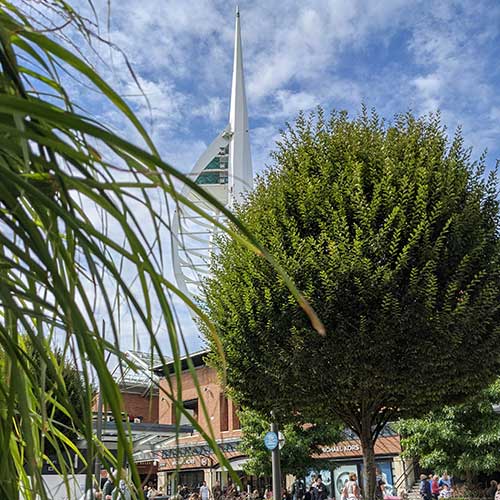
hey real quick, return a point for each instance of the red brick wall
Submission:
(136, 405)
(141, 406)
(211, 392)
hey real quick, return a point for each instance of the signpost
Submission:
(271, 440)
(274, 441)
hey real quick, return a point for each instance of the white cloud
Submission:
(213, 110)
(429, 89)
(299, 54)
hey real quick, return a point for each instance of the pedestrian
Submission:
(298, 490)
(351, 489)
(445, 480)
(109, 485)
(492, 490)
(435, 487)
(425, 488)
(308, 493)
(152, 491)
(497, 494)
(216, 491)
(380, 490)
(320, 491)
(121, 492)
(268, 493)
(204, 491)
(445, 491)
(91, 494)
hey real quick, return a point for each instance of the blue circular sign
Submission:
(271, 440)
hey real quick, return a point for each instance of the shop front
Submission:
(189, 466)
(346, 457)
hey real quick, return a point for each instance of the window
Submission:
(224, 413)
(236, 420)
(191, 407)
(172, 414)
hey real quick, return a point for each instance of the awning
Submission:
(235, 464)
(147, 439)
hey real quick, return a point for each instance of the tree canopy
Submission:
(391, 232)
(462, 439)
(301, 444)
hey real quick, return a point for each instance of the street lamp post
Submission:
(275, 462)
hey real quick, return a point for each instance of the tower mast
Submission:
(240, 161)
(225, 171)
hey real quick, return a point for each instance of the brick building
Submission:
(188, 460)
(140, 407)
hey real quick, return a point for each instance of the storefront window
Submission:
(224, 413)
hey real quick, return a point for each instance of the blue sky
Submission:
(393, 55)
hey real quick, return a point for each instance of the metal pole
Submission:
(97, 465)
(275, 461)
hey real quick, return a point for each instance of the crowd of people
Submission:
(119, 491)
(433, 487)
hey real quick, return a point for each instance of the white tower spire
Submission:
(225, 171)
(240, 161)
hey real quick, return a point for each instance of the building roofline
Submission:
(197, 358)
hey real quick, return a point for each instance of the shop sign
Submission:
(341, 449)
(183, 461)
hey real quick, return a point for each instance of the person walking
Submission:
(497, 494)
(351, 489)
(320, 491)
(445, 481)
(435, 487)
(425, 488)
(121, 492)
(216, 491)
(109, 486)
(492, 490)
(204, 491)
(380, 490)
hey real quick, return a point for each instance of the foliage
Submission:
(75, 387)
(83, 228)
(302, 442)
(392, 233)
(462, 439)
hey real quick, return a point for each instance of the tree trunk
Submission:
(469, 478)
(369, 471)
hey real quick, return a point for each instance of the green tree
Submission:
(392, 234)
(74, 388)
(70, 392)
(462, 439)
(302, 443)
